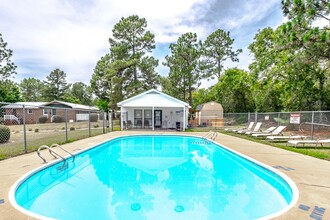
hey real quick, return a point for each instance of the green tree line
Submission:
(289, 70)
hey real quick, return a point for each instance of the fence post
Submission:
(66, 125)
(103, 121)
(256, 117)
(89, 123)
(249, 117)
(24, 125)
(110, 121)
(279, 119)
(312, 127)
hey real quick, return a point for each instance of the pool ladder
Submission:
(53, 152)
(211, 135)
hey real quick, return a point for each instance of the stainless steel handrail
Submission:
(214, 135)
(59, 146)
(207, 135)
(51, 151)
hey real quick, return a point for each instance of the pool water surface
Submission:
(155, 177)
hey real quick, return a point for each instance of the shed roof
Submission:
(152, 98)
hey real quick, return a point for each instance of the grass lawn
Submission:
(319, 152)
(47, 134)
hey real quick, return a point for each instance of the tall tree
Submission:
(127, 70)
(234, 91)
(31, 90)
(184, 76)
(9, 91)
(82, 92)
(269, 68)
(7, 67)
(131, 42)
(55, 86)
(308, 27)
(217, 48)
(308, 31)
(287, 79)
(100, 85)
(201, 96)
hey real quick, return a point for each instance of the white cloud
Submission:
(73, 35)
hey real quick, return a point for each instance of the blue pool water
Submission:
(154, 177)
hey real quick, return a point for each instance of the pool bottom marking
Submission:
(179, 208)
(2, 201)
(135, 206)
(284, 168)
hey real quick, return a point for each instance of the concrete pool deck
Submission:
(311, 175)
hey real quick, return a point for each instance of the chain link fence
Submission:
(25, 127)
(312, 123)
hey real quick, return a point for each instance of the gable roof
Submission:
(72, 105)
(152, 98)
(30, 105)
(36, 105)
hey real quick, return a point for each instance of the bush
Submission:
(30, 129)
(4, 134)
(72, 129)
(96, 126)
(56, 119)
(93, 117)
(42, 119)
(36, 130)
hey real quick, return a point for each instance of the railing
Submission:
(53, 152)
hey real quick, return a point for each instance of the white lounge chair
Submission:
(267, 131)
(277, 131)
(242, 128)
(249, 128)
(303, 142)
(255, 129)
(286, 138)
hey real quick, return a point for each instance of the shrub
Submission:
(4, 134)
(72, 129)
(30, 129)
(96, 126)
(56, 119)
(42, 119)
(36, 130)
(93, 117)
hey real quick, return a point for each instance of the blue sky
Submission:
(73, 35)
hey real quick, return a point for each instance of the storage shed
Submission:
(209, 114)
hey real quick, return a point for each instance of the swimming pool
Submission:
(155, 177)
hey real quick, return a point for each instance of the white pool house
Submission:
(153, 110)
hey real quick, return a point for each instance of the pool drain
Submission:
(179, 208)
(136, 206)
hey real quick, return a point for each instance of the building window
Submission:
(29, 111)
(45, 111)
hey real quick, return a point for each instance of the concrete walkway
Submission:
(311, 175)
